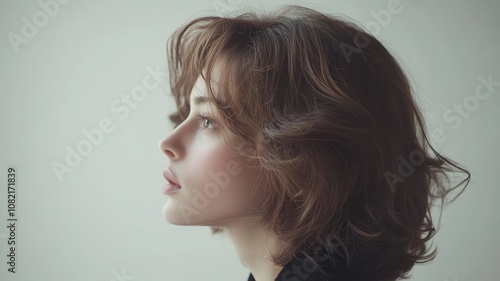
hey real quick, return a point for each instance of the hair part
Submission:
(328, 113)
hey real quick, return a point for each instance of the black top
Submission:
(332, 269)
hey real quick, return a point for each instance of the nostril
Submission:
(169, 153)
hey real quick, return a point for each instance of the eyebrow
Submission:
(201, 99)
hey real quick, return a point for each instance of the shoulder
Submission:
(330, 267)
(327, 268)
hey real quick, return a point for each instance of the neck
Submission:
(254, 246)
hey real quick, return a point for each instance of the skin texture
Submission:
(196, 153)
(201, 166)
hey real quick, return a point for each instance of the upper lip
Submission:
(168, 175)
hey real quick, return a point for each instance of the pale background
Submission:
(103, 221)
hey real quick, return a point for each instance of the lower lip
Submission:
(170, 188)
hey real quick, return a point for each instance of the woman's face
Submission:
(215, 188)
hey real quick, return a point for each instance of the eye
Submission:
(205, 118)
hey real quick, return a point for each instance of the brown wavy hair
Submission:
(329, 115)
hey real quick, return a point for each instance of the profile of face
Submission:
(216, 188)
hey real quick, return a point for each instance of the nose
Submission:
(171, 145)
(166, 150)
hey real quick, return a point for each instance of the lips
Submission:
(169, 177)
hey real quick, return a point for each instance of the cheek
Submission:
(227, 182)
(206, 160)
(216, 187)
(240, 193)
(206, 167)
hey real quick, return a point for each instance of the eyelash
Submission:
(205, 117)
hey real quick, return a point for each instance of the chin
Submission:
(172, 215)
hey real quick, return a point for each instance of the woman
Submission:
(297, 134)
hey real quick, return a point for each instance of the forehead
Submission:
(199, 88)
(199, 85)
(199, 93)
